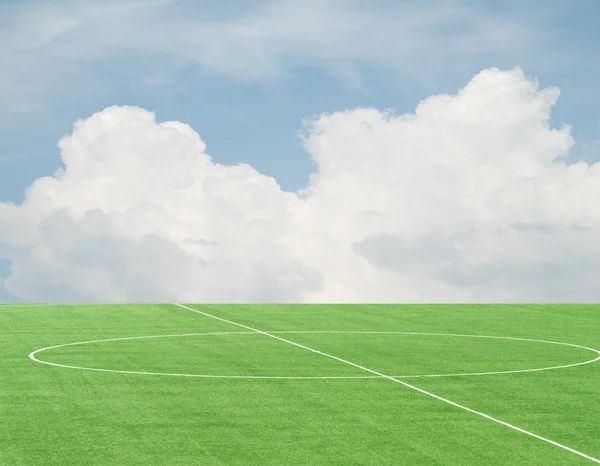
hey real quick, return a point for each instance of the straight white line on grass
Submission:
(433, 395)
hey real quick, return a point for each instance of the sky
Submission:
(299, 151)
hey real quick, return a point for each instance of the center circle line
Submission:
(33, 354)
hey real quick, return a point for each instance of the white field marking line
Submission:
(412, 387)
(32, 355)
(469, 336)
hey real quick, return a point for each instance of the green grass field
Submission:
(151, 401)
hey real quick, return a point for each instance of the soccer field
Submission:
(299, 384)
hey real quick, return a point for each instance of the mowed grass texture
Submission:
(53, 415)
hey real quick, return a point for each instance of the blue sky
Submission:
(245, 77)
(255, 119)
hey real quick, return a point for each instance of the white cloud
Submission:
(463, 200)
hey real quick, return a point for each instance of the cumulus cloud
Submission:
(466, 199)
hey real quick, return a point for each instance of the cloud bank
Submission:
(465, 199)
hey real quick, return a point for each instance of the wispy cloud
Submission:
(51, 47)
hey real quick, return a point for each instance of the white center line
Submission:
(433, 395)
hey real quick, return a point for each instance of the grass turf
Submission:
(58, 416)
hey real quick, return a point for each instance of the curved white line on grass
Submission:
(597, 358)
(33, 357)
